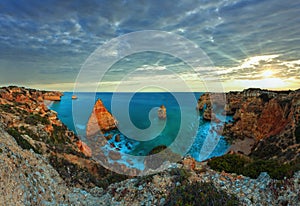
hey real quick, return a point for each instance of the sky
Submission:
(250, 43)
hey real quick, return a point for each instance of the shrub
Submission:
(240, 165)
(35, 119)
(59, 135)
(75, 175)
(229, 163)
(6, 108)
(181, 175)
(23, 143)
(297, 134)
(158, 155)
(30, 133)
(200, 194)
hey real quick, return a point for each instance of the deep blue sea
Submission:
(144, 130)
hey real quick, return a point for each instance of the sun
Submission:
(267, 73)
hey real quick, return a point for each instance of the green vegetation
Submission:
(30, 133)
(23, 143)
(160, 154)
(75, 175)
(181, 175)
(228, 163)
(252, 168)
(6, 108)
(297, 134)
(35, 119)
(200, 194)
(59, 135)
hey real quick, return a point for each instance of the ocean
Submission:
(141, 129)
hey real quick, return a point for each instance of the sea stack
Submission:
(74, 97)
(100, 120)
(162, 112)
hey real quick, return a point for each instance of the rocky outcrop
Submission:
(27, 178)
(269, 118)
(74, 97)
(162, 112)
(207, 103)
(84, 148)
(53, 96)
(34, 127)
(43, 163)
(100, 120)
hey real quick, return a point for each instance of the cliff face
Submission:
(268, 117)
(33, 126)
(100, 120)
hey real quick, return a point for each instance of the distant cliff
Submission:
(271, 118)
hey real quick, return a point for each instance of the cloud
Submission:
(242, 38)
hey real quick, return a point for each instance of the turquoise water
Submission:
(201, 144)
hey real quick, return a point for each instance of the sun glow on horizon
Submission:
(267, 73)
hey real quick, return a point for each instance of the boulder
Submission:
(189, 163)
(84, 148)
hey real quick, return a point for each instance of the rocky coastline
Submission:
(266, 124)
(44, 163)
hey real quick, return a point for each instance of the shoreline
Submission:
(48, 103)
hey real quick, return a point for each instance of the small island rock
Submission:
(162, 112)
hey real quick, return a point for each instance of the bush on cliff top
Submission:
(199, 194)
(252, 168)
(23, 143)
(35, 119)
(6, 108)
(297, 134)
(158, 155)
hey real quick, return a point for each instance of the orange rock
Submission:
(100, 120)
(189, 163)
(74, 97)
(52, 98)
(222, 178)
(162, 112)
(84, 148)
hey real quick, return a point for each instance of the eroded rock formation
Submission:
(100, 120)
(24, 115)
(270, 118)
(162, 112)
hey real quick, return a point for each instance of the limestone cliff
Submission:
(270, 118)
(25, 117)
(100, 120)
